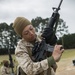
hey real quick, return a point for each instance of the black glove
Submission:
(49, 36)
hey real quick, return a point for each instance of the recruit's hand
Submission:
(57, 52)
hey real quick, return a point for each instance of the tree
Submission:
(8, 38)
(69, 41)
(62, 28)
(39, 24)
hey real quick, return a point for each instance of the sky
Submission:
(10, 9)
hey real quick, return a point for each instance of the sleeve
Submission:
(5, 71)
(27, 65)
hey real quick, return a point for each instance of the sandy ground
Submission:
(66, 67)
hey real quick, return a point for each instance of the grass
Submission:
(6, 57)
(68, 54)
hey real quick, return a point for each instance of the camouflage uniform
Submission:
(5, 70)
(23, 54)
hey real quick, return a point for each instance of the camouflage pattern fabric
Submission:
(5, 70)
(24, 57)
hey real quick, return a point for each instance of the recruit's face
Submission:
(29, 33)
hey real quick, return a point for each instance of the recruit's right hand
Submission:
(57, 52)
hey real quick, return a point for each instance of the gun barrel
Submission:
(60, 4)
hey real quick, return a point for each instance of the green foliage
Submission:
(3, 26)
(61, 28)
(8, 38)
(39, 22)
(68, 41)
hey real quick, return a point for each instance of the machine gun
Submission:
(48, 37)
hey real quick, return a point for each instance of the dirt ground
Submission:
(66, 67)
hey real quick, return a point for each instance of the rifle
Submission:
(11, 60)
(48, 37)
(50, 30)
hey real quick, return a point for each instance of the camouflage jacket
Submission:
(23, 54)
(5, 70)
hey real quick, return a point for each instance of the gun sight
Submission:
(57, 9)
